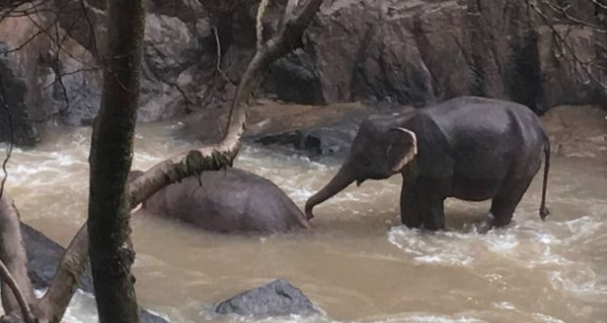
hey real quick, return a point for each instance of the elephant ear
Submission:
(401, 148)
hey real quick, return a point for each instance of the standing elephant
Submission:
(227, 201)
(469, 148)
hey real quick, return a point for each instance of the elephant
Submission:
(470, 148)
(226, 201)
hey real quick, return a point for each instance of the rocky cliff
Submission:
(412, 52)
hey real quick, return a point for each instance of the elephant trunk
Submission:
(340, 181)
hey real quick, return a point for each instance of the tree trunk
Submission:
(110, 162)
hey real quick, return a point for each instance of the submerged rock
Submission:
(44, 256)
(277, 298)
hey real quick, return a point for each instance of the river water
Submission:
(357, 264)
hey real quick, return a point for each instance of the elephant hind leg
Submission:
(507, 199)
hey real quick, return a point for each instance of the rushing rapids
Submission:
(357, 264)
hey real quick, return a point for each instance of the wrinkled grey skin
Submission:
(228, 201)
(469, 148)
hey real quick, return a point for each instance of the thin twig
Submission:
(57, 70)
(601, 5)
(586, 67)
(563, 12)
(218, 61)
(91, 31)
(11, 142)
(260, 11)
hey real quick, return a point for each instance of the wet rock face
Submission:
(420, 52)
(277, 298)
(59, 86)
(294, 78)
(407, 52)
(14, 121)
(64, 86)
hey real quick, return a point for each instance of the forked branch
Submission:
(222, 154)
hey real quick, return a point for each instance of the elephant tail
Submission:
(544, 212)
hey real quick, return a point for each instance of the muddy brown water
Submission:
(357, 264)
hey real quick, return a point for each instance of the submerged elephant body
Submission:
(469, 148)
(227, 201)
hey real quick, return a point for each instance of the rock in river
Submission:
(277, 298)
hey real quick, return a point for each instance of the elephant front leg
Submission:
(409, 214)
(431, 197)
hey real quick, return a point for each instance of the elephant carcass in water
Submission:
(227, 201)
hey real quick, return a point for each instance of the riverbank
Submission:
(317, 131)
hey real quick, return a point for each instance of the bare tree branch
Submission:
(56, 39)
(259, 23)
(587, 70)
(14, 257)
(565, 13)
(599, 4)
(222, 154)
(218, 63)
(289, 8)
(9, 280)
(63, 286)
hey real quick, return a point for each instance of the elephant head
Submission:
(380, 149)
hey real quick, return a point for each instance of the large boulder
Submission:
(171, 51)
(277, 298)
(44, 256)
(56, 76)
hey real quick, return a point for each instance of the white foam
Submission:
(439, 248)
(546, 318)
(504, 305)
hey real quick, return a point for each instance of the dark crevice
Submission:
(524, 83)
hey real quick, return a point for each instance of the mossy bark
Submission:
(110, 162)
